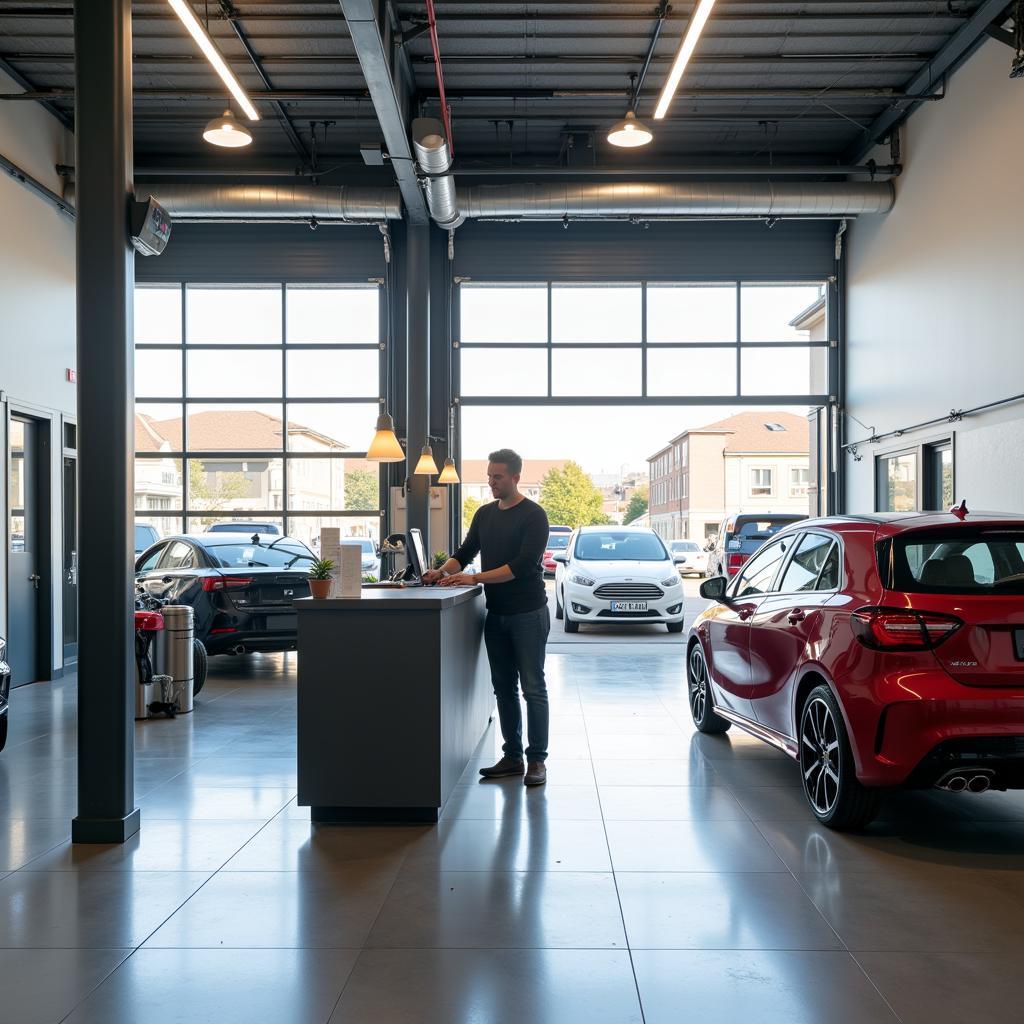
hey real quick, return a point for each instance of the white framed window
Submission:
(799, 481)
(762, 484)
(686, 485)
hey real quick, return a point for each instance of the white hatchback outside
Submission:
(614, 574)
(690, 557)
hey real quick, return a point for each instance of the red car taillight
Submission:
(212, 583)
(736, 563)
(896, 629)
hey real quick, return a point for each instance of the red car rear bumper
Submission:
(907, 733)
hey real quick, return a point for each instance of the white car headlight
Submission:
(580, 581)
(672, 581)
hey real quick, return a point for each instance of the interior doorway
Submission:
(28, 575)
(70, 547)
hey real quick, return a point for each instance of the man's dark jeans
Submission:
(515, 648)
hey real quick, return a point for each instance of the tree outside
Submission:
(469, 507)
(637, 506)
(362, 491)
(570, 498)
(214, 492)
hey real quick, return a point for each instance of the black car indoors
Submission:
(241, 586)
(5, 692)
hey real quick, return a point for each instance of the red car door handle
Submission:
(745, 613)
(795, 616)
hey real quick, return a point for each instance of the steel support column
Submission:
(105, 280)
(417, 377)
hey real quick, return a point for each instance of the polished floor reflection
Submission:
(660, 876)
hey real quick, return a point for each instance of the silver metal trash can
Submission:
(172, 655)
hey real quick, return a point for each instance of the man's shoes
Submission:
(506, 766)
(536, 774)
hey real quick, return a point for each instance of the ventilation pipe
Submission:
(686, 199)
(434, 160)
(312, 203)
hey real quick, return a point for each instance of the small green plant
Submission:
(321, 569)
(440, 557)
(370, 578)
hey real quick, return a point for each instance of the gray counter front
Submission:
(394, 696)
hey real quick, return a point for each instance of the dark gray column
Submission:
(417, 379)
(105, 281)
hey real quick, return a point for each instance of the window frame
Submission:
(183, 511)
(836, 542)
(758, 491)
(733, 394)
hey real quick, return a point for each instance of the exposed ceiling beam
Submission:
(342, 60)
(963, 43)
(370, 29)
(824, 95)
(298, 145)
(18, 78)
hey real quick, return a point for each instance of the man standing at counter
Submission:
(510, 535)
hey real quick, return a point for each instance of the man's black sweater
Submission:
(515, 537)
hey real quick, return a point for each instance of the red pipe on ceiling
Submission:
(446, 112)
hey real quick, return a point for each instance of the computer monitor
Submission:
(415, 554)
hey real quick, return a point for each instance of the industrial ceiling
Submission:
(532, 87)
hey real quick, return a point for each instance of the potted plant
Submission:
(320, 578)
(440, 557)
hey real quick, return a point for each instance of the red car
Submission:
(557, 541)
(878, 651)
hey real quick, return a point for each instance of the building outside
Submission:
(222, 486)
(751, 462)
(474, 477)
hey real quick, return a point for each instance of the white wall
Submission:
(37, 305)
(934, 313)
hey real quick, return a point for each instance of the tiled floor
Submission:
(660, 877)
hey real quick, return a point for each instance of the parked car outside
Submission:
(878, 651)
(243, 527)
(370, 554)
(559, 529)
(616, 574)
(741, 535)
(5, 692)
(241, 589)
(556, 542)
(690, 558)
(145, 535)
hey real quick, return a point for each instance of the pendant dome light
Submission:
(226, 132)
(449, 475)
(426, 466)
(385, 446)
(629, 132)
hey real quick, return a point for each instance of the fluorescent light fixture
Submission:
(227, 132)
(629, 132)
(686, 48)
(183, 9)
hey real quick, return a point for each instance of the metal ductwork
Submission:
(312, 203)
(434, 159)
(683, 199)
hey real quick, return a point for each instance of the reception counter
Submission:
(394, 695)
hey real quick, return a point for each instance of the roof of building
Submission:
(222, 430)
(750, 432)
(474, 471)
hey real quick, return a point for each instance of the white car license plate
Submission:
(629, 606)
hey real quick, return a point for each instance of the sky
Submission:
(610, 440)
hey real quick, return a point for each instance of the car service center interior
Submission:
(736, 278)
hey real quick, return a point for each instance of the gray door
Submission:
(24, 540)
(70, 559)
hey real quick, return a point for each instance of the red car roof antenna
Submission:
(961, 511)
